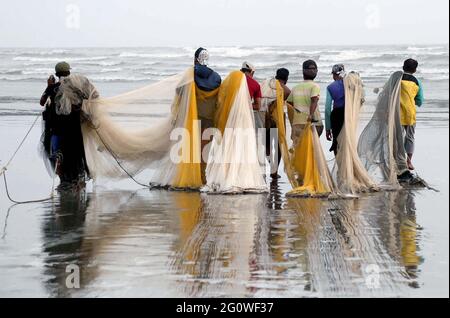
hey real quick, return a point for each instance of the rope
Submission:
(118, 161)
(5, 168)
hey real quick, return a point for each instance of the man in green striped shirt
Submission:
(304, 99)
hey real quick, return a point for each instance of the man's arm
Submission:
(257, 99)
(315, 95)
(257, 104)
(314, 105)
(287, 92)
(420, 97)
(50, 84)
(328, 105)
(44, 98)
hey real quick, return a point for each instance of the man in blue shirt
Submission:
(335, 106)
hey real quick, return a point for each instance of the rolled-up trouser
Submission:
(410, 132)
(260, 124)
(206, 124)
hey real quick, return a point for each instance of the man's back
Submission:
(254, 88)
(411, 95)
(337, 92)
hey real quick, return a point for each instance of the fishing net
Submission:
(233, 165)
(381, 145)
(312, 173)
(154, 127)
(351, 177)
(305, 165)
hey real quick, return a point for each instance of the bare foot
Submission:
(410, 166)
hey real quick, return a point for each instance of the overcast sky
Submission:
(87, 23)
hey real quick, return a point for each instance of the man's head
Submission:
(282, 75)
(338, 71)
(310, 70)
(201, 56)
(248, 68)
(410, 66)
(62, 69)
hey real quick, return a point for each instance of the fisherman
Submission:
(304, 100)
(206, 80)
(253, 86)
(66, 99)
(254, 90)
(411, 96)
(54, 123)
(334, 119)
(207, 83)
(268, 105)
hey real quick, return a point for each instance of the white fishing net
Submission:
(135, 128)
(351, 175)
(73, 90)
(233, 164)
(381, 145)
(145, 130)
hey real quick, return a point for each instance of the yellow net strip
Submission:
(313, 175)
(278, 115)
(227, 94)
(204, 95)
(189, 170)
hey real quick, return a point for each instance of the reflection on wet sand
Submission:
(63, 235)
(161, 244)
(402, 233)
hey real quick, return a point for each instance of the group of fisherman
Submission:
(63, 138)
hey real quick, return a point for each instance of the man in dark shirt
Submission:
(63, 136)
(54, 123)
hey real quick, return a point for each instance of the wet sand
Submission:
(131, 242)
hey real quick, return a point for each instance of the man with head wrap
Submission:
(334, 119)
(207, 83)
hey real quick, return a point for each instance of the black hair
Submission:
(246, 70)
(309, 70)
(307, 64)
(410, 66)
(282, 74)
(197, 53)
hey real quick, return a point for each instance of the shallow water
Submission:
(170, 244)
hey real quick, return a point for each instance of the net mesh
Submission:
(381, 145)
(351, 177)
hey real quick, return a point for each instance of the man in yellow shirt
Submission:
(411, 96)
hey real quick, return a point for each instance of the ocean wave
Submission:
(44, 53)
(152, 55)
(425, 48)
(58, 59)
(11, 72)
(15, 99)
(433, 71)
(111, 70)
